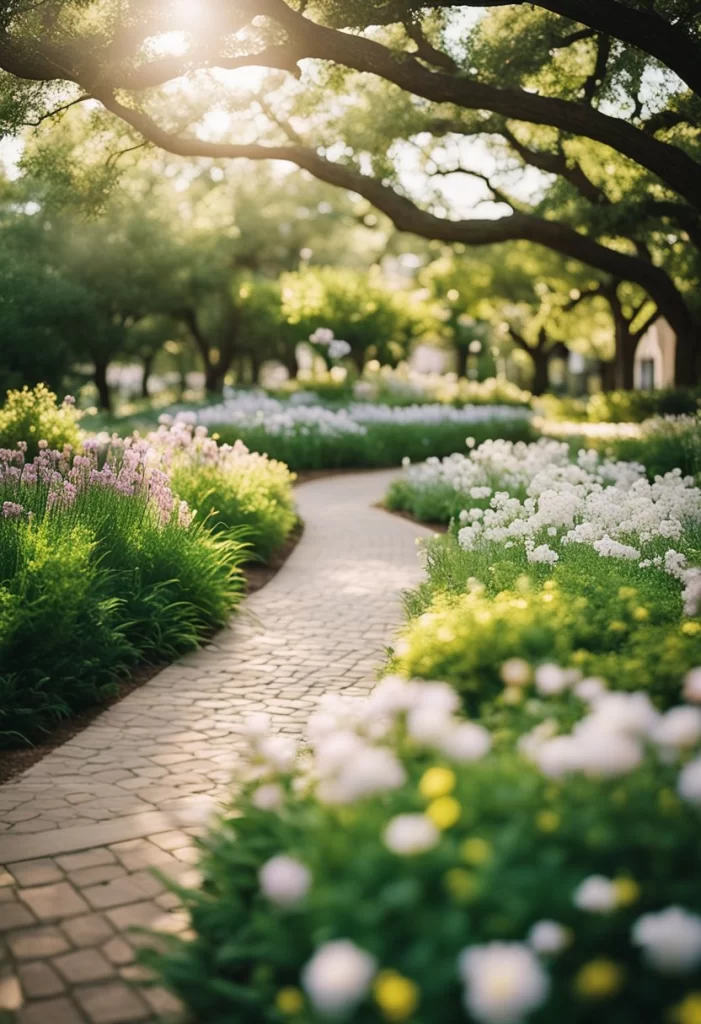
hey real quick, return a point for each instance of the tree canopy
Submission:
(571, 124)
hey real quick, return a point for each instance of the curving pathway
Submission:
(80, 830)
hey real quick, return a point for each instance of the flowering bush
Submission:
(403, 386)
(663, 443)
(101, 567)
(310, 436)
(414, 867)
(229, 486)
(30, 416)
(585, 563)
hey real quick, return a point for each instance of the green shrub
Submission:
(99, 570)
(30, 416)
(383, 444)
(466, 639)
(237, 492)
(636, 406)
(339, 892)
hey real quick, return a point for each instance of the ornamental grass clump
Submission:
(101, 568)
(412, 866)
(234, 489)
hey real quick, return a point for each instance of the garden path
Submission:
(80, 830)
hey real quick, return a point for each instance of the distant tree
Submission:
(376, 321)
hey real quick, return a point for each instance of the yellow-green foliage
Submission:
(34, 414)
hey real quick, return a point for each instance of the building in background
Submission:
(654, 358)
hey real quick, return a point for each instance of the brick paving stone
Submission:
(32, 943)
(15, 915)
(52, 902)
(36, 872)
(51, 1011)
(88, 930)
(39, 980)
(10, 992)
(130, 792)
(113, 1003)
(87, 859)
(83, 965)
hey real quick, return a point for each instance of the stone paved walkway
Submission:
(80, 830)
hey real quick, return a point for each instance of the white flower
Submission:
(543, 553)
(590, 689)
(679, 727)
(284, 880)
(408, 834)
(504, 982)
(671, 940)
(608, 548)
(465, 742)
(548, 938)
(372, 770)
(632, 713)
(279, 752)
(689, 782)
(596, 894)
(427, 724)
(692, 686)
(268, 797)
(516, 672)
(338, 977)
(550, 679)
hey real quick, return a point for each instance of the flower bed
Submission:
(416, 867)
(117, 553)
(587, 564)
(663, 443)
(311, 436)
(102, 568)
(534, 863)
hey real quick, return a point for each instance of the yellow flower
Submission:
(578, 657)
(625, 593)
(599, 979)
(548, 585)
(475, 851)
(627, 891)
(547, 598)
(617, 626)
(691, 628)
(689, 1010)
(640, 614)
(512, 695)
(444, 811)
(437, 782)
(462, 885)
(547, 821)
(289, 1001)
(397, 996)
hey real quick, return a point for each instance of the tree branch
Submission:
(645, 29)
(407, 216)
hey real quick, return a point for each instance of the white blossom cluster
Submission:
(433, 413)
(611, 740)
(354, 754)
(610, 506)
(255, 409)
